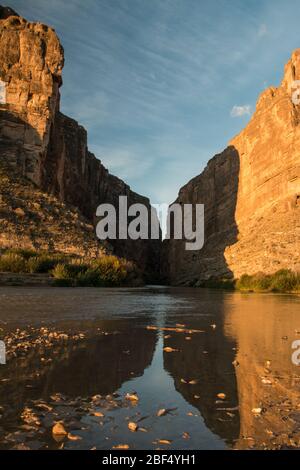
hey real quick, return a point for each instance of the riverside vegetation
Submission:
(71, 270)
(284, 280)
(111, 271)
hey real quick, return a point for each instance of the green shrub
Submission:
(284, 280)
(89, 278)
(13, 263)
(106, 271)
(70, 273)
(24, 253)
(76, 268)
(245, 282)
(42, 264)
(112, 270)
(262, 281)
(61, 271)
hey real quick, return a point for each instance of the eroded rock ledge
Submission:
(45, 146)
(251, 193)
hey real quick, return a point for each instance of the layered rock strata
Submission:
(45, 146)
(251, 193)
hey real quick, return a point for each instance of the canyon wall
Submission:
(251, 193)
(45, 146)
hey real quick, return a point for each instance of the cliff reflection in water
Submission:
(99, 364)
(264, 327)
(206, 359)
(237, 359)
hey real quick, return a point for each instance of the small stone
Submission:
(73, 437)
(131, 396)
(222, 396)
(59, 429)
(133, 427)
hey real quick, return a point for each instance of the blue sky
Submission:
(163, 85)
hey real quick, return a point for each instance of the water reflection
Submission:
(264, 327)
(206, 359)
(240, 361)
(99, 364)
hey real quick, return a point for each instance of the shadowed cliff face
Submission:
(47, 147)
(79, 178)
(6, 12)
(251, 193)
(217, 189)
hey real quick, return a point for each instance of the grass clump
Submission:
(24, 253)
(13, 263)
(111, 270)
(284, 280)
(107, 271)
(67, 270)
(28, 261)
(42, 263)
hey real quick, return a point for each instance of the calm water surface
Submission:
(243, 352)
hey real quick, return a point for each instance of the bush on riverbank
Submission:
(284, 280)
(107, 271)
(29, 261)
(13, 263)
(67, 270)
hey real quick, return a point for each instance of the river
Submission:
(203, 369)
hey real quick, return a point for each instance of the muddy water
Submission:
(227, 355)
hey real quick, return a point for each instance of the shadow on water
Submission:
(208, 384)
(124, 355)
(207, 359)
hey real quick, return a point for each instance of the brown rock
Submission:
(59, 429)
(45, 146)
(133, 427)
(251, 193)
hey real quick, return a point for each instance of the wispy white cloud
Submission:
(148, 78)
(127, 163)
(239, 111)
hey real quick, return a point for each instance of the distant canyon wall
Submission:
(251, 193)
(47, 147)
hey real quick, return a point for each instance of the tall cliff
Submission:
(45, 146)
(251, 193)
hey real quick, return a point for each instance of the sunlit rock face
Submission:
(268, 382)
(45, 146)
(251, 193)
(31, 65)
